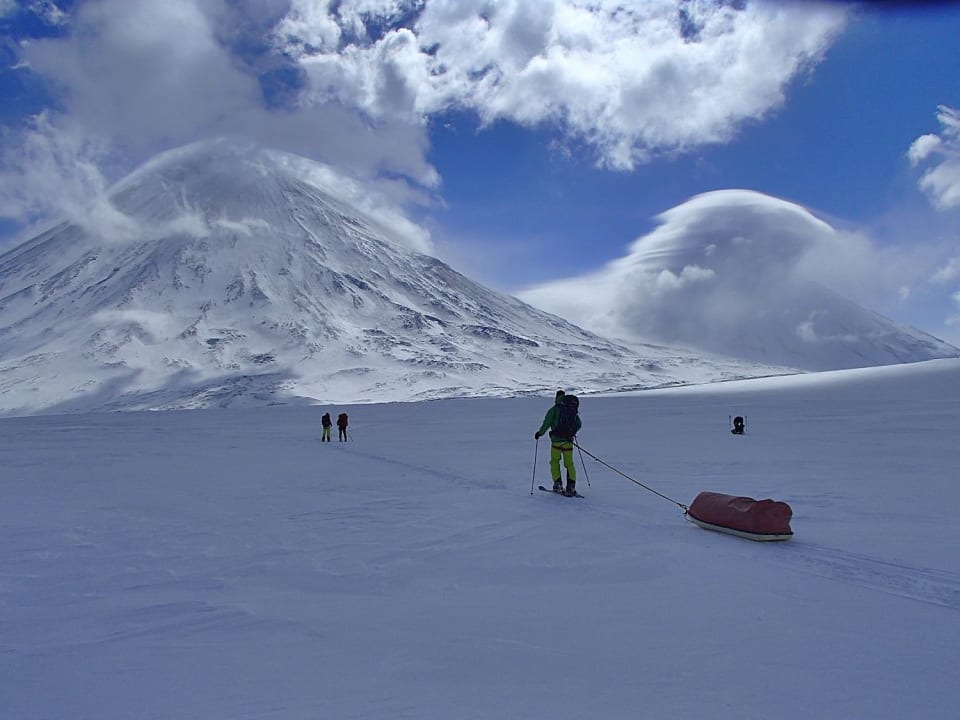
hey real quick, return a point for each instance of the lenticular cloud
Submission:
(941, 182)
(738, 273)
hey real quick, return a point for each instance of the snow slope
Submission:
(225, 564)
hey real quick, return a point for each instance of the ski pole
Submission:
(536, 446)
(583, 464)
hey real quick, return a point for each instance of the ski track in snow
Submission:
(936, 587)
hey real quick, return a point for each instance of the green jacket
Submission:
(551, 419)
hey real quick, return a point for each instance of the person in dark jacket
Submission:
(342, 426)
(560, 447)
(327, 423)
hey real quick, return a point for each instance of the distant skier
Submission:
(738, 426)
(563, 422)
(327, 423)
(342, 426)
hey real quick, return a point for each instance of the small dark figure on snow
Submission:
(327, 423)
(342, 426)
(563, 422)
(738, 426)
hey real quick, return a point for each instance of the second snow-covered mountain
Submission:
(224, 277)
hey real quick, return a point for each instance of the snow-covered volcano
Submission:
(742, 274)
(221, 276)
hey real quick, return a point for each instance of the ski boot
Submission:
(571, 488)
(558, 486)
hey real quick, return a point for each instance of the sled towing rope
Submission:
(762, 520)
(637, 482)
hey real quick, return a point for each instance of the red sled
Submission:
(762, 520)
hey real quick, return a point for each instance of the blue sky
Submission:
(838, 146)
(531, 142)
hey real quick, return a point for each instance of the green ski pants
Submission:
(562, 449)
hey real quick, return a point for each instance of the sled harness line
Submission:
(637, 482)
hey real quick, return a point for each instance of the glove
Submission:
(536, 436)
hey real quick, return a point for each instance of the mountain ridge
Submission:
(227, 279)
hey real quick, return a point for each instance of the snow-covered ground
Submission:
(226, 564)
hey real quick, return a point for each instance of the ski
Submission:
(546, 489)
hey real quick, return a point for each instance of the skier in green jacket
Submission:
(561, 443)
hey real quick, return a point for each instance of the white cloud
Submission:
(941, 182)
(141, 71)
(377, 205)
(151, 76)
(953, 320)
(807, 332)
(724, 244)
(630, 79)
(46, 10)
(54, 172)
(244, 226)
(922, 148)
(948, 272)
(50, 13)
(668, 281)
(309, 25)
(50, 171)
(136, 77)
(363, 77)
(150, 327)
(735, 272)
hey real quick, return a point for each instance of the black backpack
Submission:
(567, 420)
